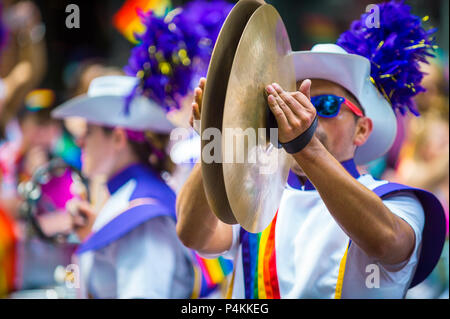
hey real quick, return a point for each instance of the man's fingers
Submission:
(283, 106)
(304, 101)
(277, 112)
(305, 88)
(202, 83)
(291, 117)
(296, 106)
(198, 95)
(201, 87)
(196, 111)
(198, 99)
(289, 105)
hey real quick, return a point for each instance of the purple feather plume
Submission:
(174, 51)
(394, 51)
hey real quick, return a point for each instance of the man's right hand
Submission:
(194, 121)
(197, 226)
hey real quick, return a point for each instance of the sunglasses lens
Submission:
(326, 105)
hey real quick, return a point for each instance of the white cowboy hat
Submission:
(331, 62)
(104, 104)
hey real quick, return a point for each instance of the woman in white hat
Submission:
(130, 249)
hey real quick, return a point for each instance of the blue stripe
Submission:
(246, 263)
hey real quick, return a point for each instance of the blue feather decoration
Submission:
(394, 49)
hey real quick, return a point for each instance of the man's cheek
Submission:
(322, 137)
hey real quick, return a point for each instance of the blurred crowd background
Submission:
(43, 63)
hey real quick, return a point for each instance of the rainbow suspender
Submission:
(260, 269)
(259, 263)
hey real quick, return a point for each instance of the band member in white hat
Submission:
(337, 234)
(131, 249)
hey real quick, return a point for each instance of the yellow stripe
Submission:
(135, 26)
(158, 7)
(214, 270)
(197, 284)
(340, 280)
(229, 293)
(262, 248)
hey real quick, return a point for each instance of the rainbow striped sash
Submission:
(259, 263)
(209, 274)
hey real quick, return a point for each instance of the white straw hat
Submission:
(331, 62)
(104, 104)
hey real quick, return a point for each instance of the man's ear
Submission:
(364, 127)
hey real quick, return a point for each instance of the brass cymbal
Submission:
(213, 103)
(253, 186)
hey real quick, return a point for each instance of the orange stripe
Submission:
(267, 253)
(269, 276)
(205, 272)
(127, 13)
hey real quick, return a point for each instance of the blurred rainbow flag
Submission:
(209, 274)
(127, 21)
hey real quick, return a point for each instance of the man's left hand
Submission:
(293, 111)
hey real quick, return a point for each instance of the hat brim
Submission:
(352, 72)
(110, 111)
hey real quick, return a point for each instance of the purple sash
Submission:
(123, 224)
(149, 186)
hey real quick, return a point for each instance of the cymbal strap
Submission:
(299, 143)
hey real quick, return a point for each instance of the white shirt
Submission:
(147, 262)
(309, 246)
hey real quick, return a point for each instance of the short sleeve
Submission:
(406, 206)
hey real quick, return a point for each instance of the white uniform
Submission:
(309, 247)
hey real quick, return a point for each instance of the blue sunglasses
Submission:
(329, 105)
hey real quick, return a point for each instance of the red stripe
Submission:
(204, 270)
(272, 261)
(127, 13)
(10, 258)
